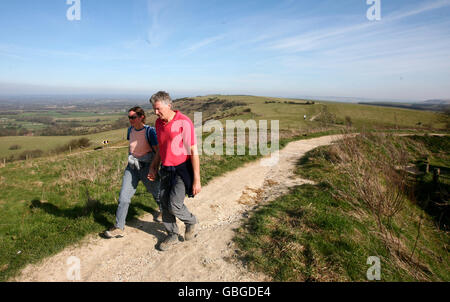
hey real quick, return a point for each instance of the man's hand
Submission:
(195, 160)
(196, 187)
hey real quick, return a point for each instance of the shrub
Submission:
(30, 154)
(348, 121)
(121, 123)
(36, 119)
(373, 177)
(73, 144)
(326, 117)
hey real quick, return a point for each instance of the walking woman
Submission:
(142, 149)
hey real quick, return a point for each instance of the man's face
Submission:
(162, 110)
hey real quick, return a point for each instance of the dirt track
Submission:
(220, 208)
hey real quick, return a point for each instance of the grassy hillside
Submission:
(364, 204)
(45, 119)
(290, 112)
(382, 117)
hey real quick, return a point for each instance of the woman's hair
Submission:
(139, 111)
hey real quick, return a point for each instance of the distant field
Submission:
(437, 105)
(47, 143)
(92, 118)
(58, 114)
(60, 122)
(289, 112)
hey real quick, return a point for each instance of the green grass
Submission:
(48, 143)
(311, 234)
(305, 236)
(92, 120)
(47, 204)
(366, 116)
(438, 150)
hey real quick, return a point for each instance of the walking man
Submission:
(180, 169)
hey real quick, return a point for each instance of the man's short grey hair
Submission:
(161, 96)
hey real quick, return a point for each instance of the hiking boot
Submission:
(158, 217)
(114, 233)
(190, 232)
(170, 240)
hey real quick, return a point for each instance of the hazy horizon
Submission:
(61, 98)
(274, 48)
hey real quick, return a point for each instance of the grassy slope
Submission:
(291, 115)
(375, 116)
(312, 235)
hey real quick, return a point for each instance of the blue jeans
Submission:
(130, 181)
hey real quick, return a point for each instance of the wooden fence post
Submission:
(436, 173)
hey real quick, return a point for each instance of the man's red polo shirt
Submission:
(175, 139)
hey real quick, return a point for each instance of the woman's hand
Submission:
(152, 174)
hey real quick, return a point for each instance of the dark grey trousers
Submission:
(172, 203)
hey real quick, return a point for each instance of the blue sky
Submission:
(288, 48)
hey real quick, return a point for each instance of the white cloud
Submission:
(202, 43)
(318, 39)
(159, 28)
(416, 11)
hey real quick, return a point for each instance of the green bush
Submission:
(15, 147)
(31, 154)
